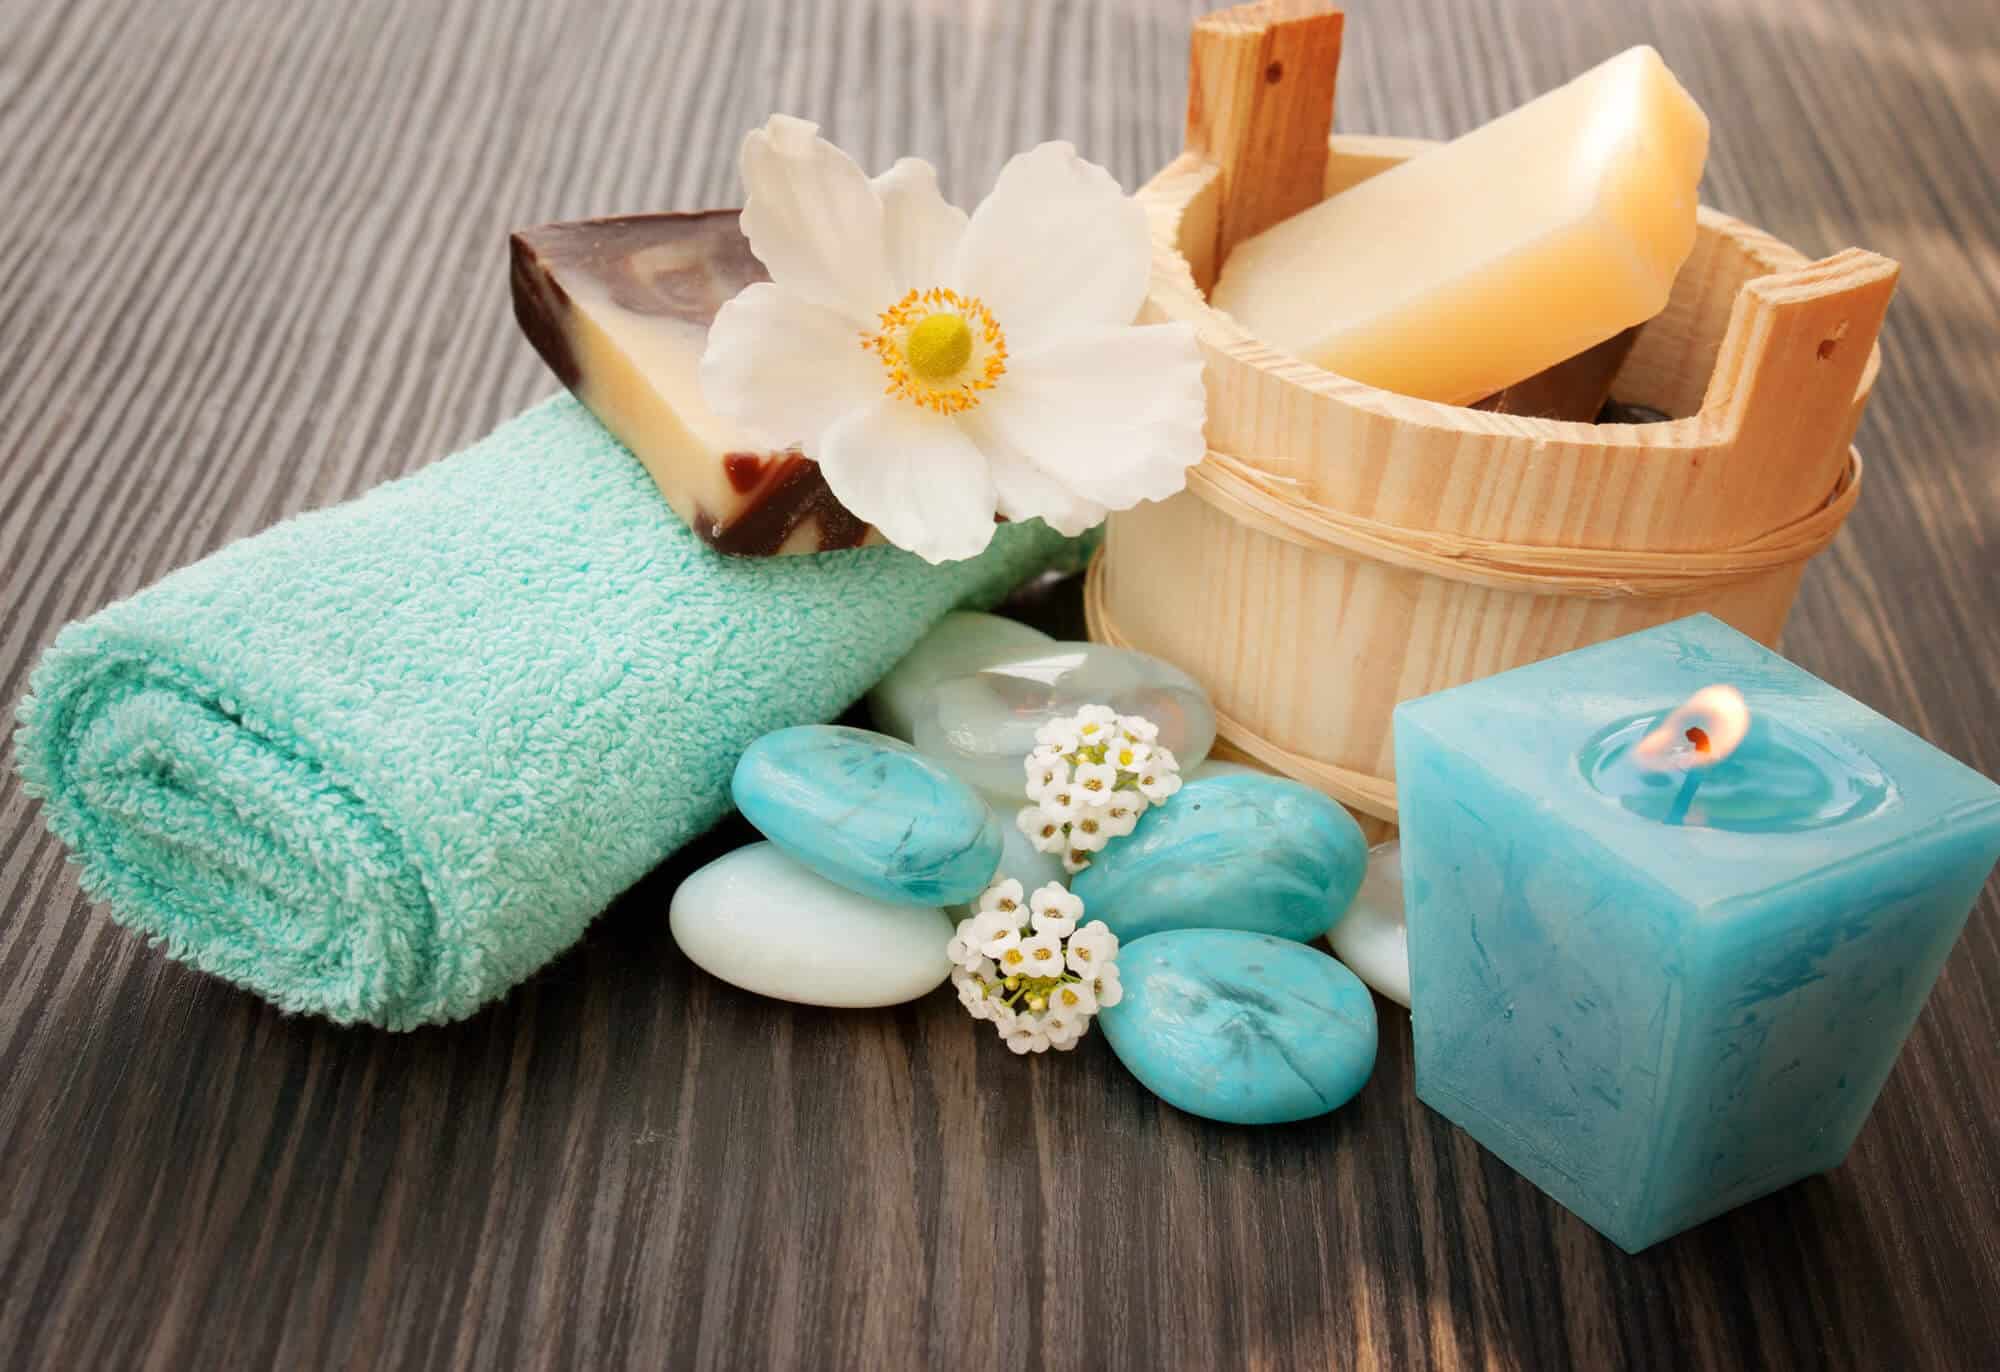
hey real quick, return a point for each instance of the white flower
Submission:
(1096, 781)
(1064, 1028)
(972, 991)
(1119, 820)
(1165, 760)
(1041, 956)
(1109, 992)
(942, 368)
(1028, 1034)
(1056, 738)
(1003, 897)
(1043, 773)
(1003, 1015)
(1129, 756)
(1075, 860)
(964, 946)
(1056, 910)
(1095, 714)
(1004, 947)
(1138, 728)
(1044, 831)
(1074, 997)
(1157, 784)
(1062, 803)
(1090, 832)
(1091, 947)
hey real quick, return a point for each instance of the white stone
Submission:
(962, 642)
(756, 919)
(1372, 938)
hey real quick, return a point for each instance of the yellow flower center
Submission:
(941, 350)
(939, 347)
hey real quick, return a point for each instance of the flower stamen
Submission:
(942, 350)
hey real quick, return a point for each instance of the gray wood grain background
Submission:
(251, 261)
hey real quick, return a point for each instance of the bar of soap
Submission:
(620, 309)
(1478, 264)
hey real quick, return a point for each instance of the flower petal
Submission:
(1056, 246)
(921, 230)
(814, 221)
(785, 369)
(914, 475)
(1025, 491)
(1112, 414)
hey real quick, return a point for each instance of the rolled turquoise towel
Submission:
(382, 761)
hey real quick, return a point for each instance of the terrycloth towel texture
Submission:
(381, 762)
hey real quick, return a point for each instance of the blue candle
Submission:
(1660, 976)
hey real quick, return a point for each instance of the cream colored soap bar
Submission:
(1473, 266)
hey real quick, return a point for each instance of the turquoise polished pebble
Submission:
(867, 812)
(1256, 853)
(1242, 1028)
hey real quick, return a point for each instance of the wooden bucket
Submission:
(1343, 548)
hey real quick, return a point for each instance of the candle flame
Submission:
(1701, 732)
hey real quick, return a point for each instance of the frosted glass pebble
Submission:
(982, 725)
(962, 642)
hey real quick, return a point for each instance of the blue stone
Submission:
(1242, 1028)
(1250, 852)
(869, 813)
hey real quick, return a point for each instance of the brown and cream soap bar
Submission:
(620, 309)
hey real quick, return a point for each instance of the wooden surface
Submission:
(251, 261)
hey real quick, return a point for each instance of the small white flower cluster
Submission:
(1031, 970)
(1090, 777)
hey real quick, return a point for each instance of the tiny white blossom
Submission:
(1091, 947)
(1106, 986)
(1003, 1015)
(1138, 728)
(1005, 950)
(1041, 956)
(1044, 773)
(1087, 833)
(972, 991)
(1119, 823)
(1164, 757)
(1003, 897)
(1058, 734)
(963, 949)
(1062, 803)
(1129, 756)
(1074, 997)
(1075, 860)
(1055, 910)
(1095, 714)
(1028, 1034)
(1043, 831)
(1157, 784)
(991, 927)
(1096, 781)
(1064, 1028)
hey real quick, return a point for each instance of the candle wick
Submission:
(1677, 813)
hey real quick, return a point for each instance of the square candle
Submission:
(1661, 985)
